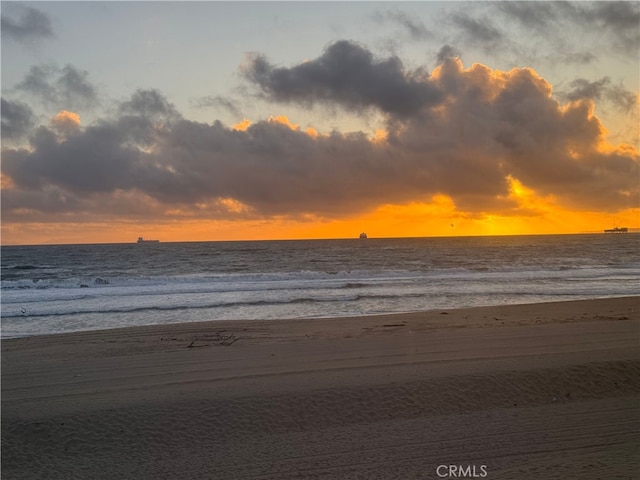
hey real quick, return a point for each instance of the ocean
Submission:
(65, 288)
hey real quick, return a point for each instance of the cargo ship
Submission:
(142, 240)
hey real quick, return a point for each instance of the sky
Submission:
(197, 121)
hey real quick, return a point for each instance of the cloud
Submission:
(532, 15)
(33, 25)
(578, 58)
(583, 88)
(619, 19)
(621, 98)
(562, 24)
(555, 32)
(477, 30)
(66, 87)
(96, 160)
(66, 123)
(148, 104)
(145, 116)
(66, 118)
(74, 86)
(218, 102)
(348, 75)
(482, 135)
(17, 119)
(243, 125)
(446, 52)
(410, 23)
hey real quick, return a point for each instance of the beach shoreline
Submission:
(528, 391)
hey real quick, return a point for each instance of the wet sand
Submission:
(545, 391)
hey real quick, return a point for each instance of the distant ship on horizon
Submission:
(617, 230)
(142, 240)
(363, 236)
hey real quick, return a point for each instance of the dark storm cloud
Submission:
(270, 167)
(486, 127)
(32, 25)
(410, 23)
(273, 168)
(104, 157)
(346, 74)
(96, 160)
(17, 120)
(66, 87)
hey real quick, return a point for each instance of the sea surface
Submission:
(65, 288)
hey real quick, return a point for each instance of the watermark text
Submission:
(461, 471)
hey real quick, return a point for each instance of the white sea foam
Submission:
(55, 289)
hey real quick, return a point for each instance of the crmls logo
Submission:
(461, 471)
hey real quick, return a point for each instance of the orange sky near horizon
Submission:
(435, 219)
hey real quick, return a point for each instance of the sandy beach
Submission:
(545, 391)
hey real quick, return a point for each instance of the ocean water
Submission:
(64, 288)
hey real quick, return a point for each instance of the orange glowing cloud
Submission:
(282, 119)
(526, 199)
(379, 137)
(488, 83)
(233, 205)
(66, 122)
(242, 126)
(66, 117)
(277, 119)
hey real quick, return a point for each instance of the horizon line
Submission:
(631, 230)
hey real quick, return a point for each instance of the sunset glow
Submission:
(242, 126)
(328, 140)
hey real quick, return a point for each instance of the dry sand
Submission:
(547, 391)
